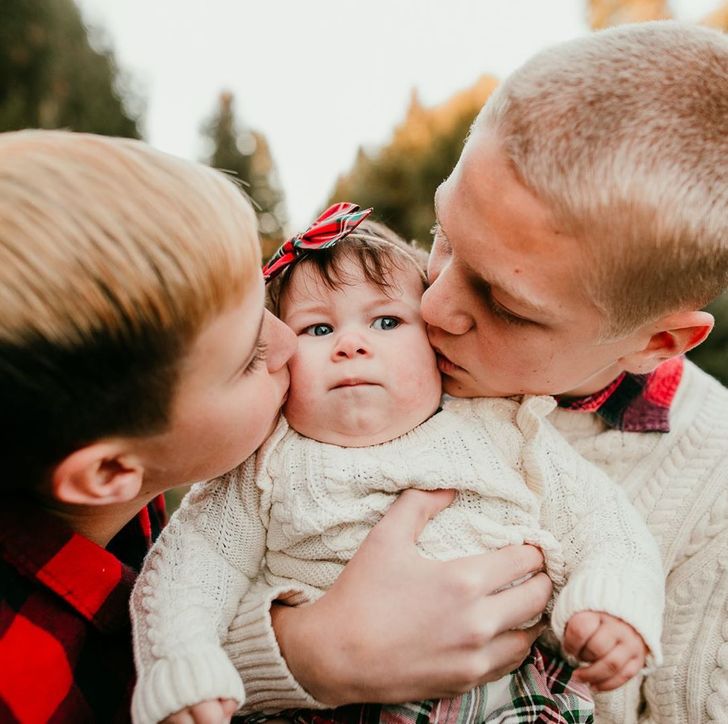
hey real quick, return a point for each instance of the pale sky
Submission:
(320, 77)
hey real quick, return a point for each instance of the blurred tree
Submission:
(719, 18)
(399, 180)
(712, 355)
(245, 153)
(605, 13)
(52, 77)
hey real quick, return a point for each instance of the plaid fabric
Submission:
(541, 691)
(337, 222)
(65, 638)
(635, 403)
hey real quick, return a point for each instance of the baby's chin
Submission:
(359, 428)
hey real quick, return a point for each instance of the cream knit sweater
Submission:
(296, 513)
(679, 483)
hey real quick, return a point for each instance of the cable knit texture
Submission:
(285, 523)
(679, 483)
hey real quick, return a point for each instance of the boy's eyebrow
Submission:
(531, 306)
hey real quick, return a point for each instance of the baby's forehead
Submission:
(398, 277)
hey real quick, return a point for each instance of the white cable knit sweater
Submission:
(290, 518)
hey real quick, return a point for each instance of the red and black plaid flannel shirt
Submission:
(65, 639)
(635, 403)
(65, 636)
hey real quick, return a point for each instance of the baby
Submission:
(364, 420)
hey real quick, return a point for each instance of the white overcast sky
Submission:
(320, 77)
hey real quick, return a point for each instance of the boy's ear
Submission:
(671, 336)
(98, 474)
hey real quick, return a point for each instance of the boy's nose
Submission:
(441, 306)
(349, 345)
(280, 342)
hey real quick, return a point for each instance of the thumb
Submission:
(412, 510)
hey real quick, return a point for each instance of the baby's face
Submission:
(364, 372)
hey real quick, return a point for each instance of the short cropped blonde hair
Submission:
(624, 135)
(112, 257)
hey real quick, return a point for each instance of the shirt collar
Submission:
(635, 403)
(86, 576)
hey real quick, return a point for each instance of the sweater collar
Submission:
(634, 403)
(94, 582)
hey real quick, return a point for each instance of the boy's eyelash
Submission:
(504, 314)
(258, 357)
(499, 311)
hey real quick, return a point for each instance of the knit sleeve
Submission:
(610, 562)
(188, 592)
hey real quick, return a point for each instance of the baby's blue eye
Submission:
(385, 323)
(319, 330)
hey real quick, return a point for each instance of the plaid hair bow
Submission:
(337, 222)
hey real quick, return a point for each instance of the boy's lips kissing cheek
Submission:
(445, 365)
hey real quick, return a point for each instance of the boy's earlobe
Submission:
(673, 335)
(98, 474)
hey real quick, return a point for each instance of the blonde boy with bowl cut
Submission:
(135, 355)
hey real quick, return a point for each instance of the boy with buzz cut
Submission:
(578, 238)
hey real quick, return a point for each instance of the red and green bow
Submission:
(337, 222)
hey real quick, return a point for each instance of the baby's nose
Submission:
(349, 345)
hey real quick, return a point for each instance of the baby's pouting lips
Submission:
(352, 382)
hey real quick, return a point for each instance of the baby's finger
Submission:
(631, 668)
(229, 707)
(599, 644)
(607, 667)
(580, 628)
(180, 717)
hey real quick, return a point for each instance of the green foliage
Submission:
(51, 76)
(399, 180)
(245, 153)
(712, 355)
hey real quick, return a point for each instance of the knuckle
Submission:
(544, 587)
(466, 587)
(480, 634)
(580, 625)
(523, 641)
(470, 674)
(613, 666)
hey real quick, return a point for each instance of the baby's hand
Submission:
(614, 650)
(215, 711)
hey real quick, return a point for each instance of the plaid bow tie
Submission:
(337, 222)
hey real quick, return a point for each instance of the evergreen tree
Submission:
(245, 153)
(399, 180)
(51, 76)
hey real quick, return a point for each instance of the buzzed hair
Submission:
(624, 136)
(112, 258)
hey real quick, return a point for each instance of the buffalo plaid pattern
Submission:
(635, 403)
(541, 692)
(65, 638)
